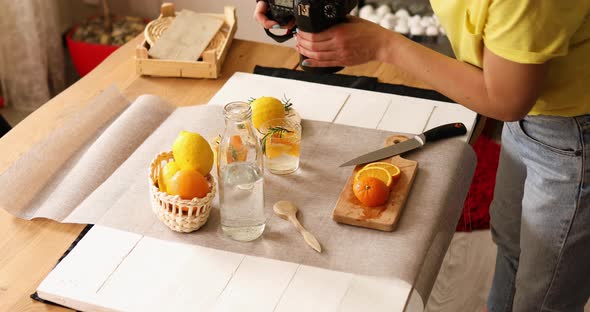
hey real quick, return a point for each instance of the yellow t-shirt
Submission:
(556, 32)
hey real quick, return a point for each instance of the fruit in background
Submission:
(370, 191)
(166, 174)
(192, 151)
(375, 172)
(237, 151)
(266, 108)
(188, 184)
(391, 168)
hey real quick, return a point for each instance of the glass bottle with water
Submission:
(240, 170)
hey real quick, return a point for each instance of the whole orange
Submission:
(371, 191)
(188, 184)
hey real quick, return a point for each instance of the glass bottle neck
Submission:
(239, 142)
(237, 116)
(237, 125)
(237, 111)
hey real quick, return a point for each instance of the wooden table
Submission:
(30, 249)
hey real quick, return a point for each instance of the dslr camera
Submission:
(310, 16)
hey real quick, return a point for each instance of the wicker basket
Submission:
(178, 214)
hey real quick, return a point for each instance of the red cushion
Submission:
(476, 211)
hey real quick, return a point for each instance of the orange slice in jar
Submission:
(282, 144)
(237, 151)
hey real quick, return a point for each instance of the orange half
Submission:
(375, 172)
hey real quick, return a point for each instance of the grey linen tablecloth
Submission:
(413, 252)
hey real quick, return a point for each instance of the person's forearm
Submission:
(504, 89)
(460, 81)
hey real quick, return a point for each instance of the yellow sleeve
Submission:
(533, 31)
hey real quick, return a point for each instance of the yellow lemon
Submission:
(266, 108)
(375, 172)
(166, 174)
(391, 168)
(192, 151)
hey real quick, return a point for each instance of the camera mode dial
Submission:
(330, 11)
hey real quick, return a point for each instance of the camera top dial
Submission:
(330, 11)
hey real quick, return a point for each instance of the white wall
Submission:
(74, 11)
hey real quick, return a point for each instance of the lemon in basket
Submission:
(192, 151)
(266, 108)
(167, 173)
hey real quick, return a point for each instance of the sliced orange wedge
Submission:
(375, 172)
(237, 151)
(391, 168)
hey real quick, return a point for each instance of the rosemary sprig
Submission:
(233, 153)
(272, 131)
(287, 103)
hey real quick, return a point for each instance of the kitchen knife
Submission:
(434, 134)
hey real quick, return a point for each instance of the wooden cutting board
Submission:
(349, 210)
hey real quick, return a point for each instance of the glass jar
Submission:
(281, 139)
(240, 171)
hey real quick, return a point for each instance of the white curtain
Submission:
(31, 53)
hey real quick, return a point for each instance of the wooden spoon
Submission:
(286, 210)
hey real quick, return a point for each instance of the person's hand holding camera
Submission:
(354, 42)
(260, 16)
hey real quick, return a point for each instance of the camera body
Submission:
(310, 16)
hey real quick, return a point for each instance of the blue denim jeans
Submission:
(540, 216)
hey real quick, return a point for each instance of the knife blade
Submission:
(434, 134)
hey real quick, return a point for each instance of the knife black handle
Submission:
(445, 131)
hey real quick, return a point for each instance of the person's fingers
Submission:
(319, 56)
(316, 63)
(317, 37)
(264, 21)
(354, 19)
(260, 15)
(317, 46)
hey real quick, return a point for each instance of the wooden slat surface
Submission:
(136, 273)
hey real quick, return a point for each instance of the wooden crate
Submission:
(208, 66)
